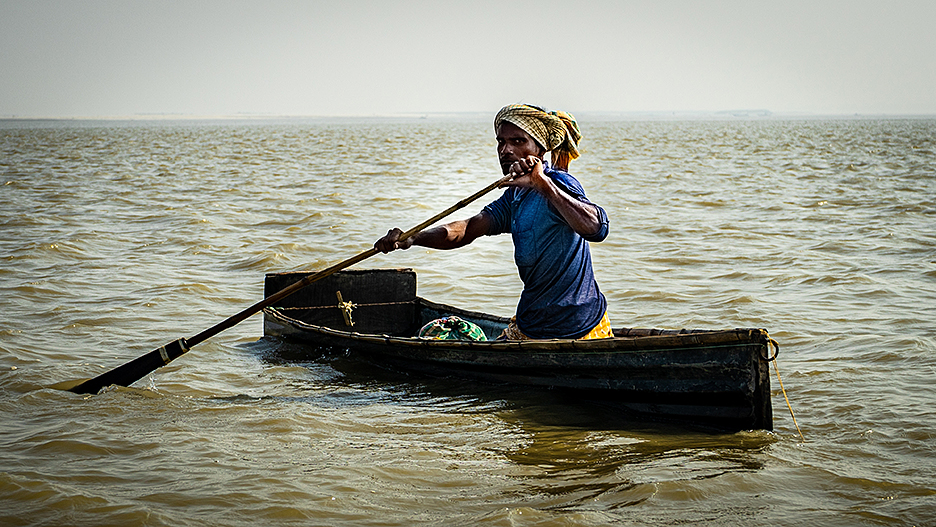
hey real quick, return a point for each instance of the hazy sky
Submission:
(340, 57)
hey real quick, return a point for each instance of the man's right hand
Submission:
(392, 242)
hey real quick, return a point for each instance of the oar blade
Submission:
(140, 367)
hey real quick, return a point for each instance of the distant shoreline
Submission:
(723, 115)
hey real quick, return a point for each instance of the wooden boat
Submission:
(718, 378)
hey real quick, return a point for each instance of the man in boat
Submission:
(550, 220)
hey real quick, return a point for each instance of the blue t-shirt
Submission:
(560, 296)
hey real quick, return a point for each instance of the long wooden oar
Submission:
(136, 369)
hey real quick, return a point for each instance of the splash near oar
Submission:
(138, 368)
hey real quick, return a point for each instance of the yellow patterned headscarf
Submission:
(557, 132)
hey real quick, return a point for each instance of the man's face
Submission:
(514, 144)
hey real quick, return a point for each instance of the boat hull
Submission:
(717, 378)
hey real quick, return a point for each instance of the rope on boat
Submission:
(306, 308)
(345, 308)
(773, 359)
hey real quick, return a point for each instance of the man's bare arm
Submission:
(582, 217)
(449, 236)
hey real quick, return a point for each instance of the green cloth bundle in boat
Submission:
(452, 328)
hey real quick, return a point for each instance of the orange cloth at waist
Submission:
(601, 331)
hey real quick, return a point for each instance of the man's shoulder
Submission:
(566, 181)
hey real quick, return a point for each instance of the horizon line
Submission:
(736, 113)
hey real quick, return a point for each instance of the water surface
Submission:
(118, 237)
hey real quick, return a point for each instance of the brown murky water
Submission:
(118, 237)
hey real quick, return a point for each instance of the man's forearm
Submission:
(448, 236)
(582, 217)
